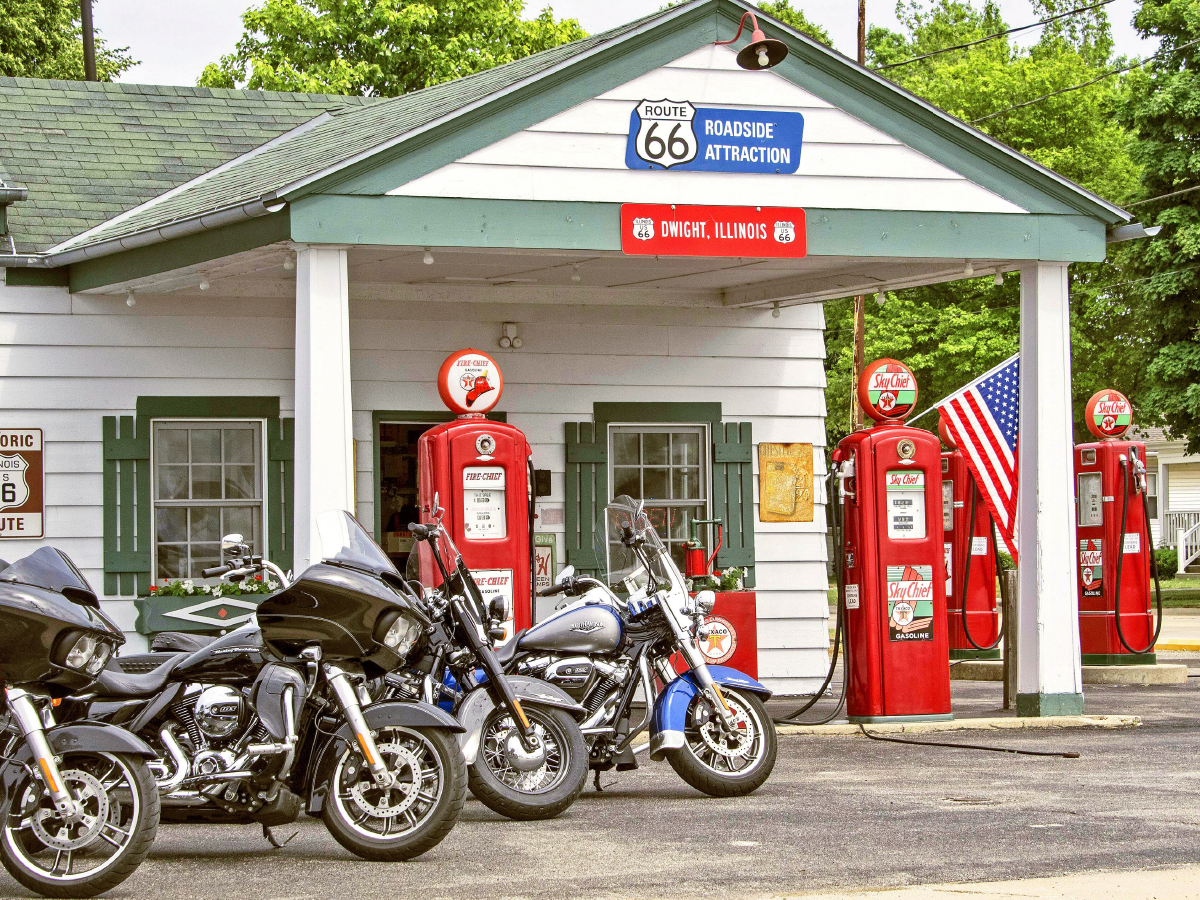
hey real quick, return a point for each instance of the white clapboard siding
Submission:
(579, 154)
(68, 361)
(1183, 491)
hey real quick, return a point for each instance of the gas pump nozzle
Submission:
(845, 471)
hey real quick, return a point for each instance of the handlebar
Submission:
(556, 589)
(420, 532)
(216, 570)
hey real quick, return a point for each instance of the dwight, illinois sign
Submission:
(21, 496)
(675, 135)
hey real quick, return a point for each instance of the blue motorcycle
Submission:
(709, 722)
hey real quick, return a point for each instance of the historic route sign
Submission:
(22, 500)
(677, 136)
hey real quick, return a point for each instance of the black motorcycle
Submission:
(78, 805)
(273, 719)
(526, 755)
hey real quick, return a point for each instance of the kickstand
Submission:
(274, 843)
(599, 786)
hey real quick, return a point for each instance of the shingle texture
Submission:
(89, 151)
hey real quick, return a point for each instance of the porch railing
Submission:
(1175, 522)
(1187, 545)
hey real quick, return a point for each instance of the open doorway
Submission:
(397, 498)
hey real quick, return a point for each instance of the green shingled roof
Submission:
(351, 131)
(88, 151)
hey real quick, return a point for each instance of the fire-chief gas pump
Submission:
(972, 560)
(481, 472)
(893, 570)
(1116, 553)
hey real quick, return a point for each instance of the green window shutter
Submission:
(587, 491)
(126, 506)
(733, 495)
(281, 453)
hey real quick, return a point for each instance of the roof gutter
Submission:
(229, 215)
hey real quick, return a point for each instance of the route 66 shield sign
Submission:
(14, 489)
(643, 228)
(785, 232)
(665, 135)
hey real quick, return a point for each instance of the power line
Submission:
(1076, 87)
(1165, 196)
(992, 37)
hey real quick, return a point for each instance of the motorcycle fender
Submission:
(671, 707)
(85, 735)
(478, 705)
(390, 714)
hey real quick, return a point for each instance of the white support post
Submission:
(1049, 678)
(324, 456)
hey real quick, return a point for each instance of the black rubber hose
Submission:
(967, 574)
(839, 636)
(1126, 474)
(1065, 754)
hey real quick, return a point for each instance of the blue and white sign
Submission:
(674, 134)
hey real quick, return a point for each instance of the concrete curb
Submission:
(1178, 645)
(1005, 723)
(1163, 673)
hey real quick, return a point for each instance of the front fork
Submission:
(22, 704)
(699, 666)
(348, 700)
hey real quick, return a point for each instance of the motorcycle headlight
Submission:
(99, 659)
(705, 601)
(402, 634)
(81, 652)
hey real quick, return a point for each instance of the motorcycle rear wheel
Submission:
(540, 793)
(430, 791)
(118, 824)
(708, 763)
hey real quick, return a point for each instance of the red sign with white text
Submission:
(665, 229)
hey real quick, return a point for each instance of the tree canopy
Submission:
(380, 47)
(44, 39)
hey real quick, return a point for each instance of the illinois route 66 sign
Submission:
(21, 489)
(665, 135)
(643, 228)
(785, 232)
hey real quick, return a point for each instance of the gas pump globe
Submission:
(893, 569)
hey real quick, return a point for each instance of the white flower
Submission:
(272, 585)
(216, 592)
(189, 586)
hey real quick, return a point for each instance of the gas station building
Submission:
(225, 310)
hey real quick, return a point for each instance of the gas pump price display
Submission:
(484, 516)
(906, 503)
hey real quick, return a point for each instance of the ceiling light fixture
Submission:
(968, 269)
(880, 297)
(130, 300)
(762, 52)
(575, 273)
(775, 310)
(428, 257)
(999, 279)
(204, 283)
(289, 263)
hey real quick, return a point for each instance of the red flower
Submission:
(258, 578)
(153, 589)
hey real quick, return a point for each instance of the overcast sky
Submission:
(175, 39)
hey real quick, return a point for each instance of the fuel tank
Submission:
(235, 657)
(586, 626)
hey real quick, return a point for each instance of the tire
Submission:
(707, 776)
(546, 801)
(350, 785)
(132, 810)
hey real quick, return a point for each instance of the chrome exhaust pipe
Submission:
(178, 757)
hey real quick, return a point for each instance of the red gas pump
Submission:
(890, 482)
(1116, 558)
(480, 471)
(972, 616)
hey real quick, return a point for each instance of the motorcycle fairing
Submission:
(671, 707)
(267, 697)
(478, 705)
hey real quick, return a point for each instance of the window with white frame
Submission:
(1152, 493)
(667, 467)
(208, 482)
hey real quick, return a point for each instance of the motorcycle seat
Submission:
(505, 654)
(110, 683)
(180, 641)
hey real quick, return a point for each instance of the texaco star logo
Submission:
(887, 401)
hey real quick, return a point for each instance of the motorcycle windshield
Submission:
(620, 565)
(344, 542)
(53, 570)
(421, 565)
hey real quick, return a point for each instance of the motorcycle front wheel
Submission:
(410, 816)
(720, 764)
(524, 785)
(97, 847)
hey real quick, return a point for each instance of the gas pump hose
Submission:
(967, 573)
(839, 635)
(1125, 477)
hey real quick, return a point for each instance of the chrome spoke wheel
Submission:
(378, 812)
(719, 749)
(533, 770)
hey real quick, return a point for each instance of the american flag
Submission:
(982, 419)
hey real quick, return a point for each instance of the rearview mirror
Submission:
(232, 542)
(565, 575)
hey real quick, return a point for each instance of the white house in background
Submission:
(1173, 485)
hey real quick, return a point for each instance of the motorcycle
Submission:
(78, 805)
(273, 718)
(525, 754)
(708, 722)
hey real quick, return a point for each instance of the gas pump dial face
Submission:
(887, 390)
(1108, 414)
(469, 382)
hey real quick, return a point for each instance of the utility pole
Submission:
(89, 41)
(860, 302)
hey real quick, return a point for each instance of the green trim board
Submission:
(562, 225)
(974, 654)
(382, 416)
(1049, 704)
(1119, 659)
(35, 277)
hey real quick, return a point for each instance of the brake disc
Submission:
(731, 746)
(398, 757)
(59, 833)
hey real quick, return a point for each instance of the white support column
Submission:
(1049, 679)
(324, 464)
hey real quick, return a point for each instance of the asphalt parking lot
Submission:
(838, 813)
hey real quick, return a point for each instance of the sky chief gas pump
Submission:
(971, 556)
(480, 471)
(1116, 553)
(893, 569)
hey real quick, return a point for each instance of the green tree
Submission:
(380, 47)
(1162, 107)
(783, 11)
(954, 332)
(43, 39)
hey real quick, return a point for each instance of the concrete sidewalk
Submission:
(1181, 630)
(1153, 884)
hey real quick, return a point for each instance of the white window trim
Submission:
(264, 478)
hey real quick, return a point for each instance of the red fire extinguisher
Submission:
(695, 564)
